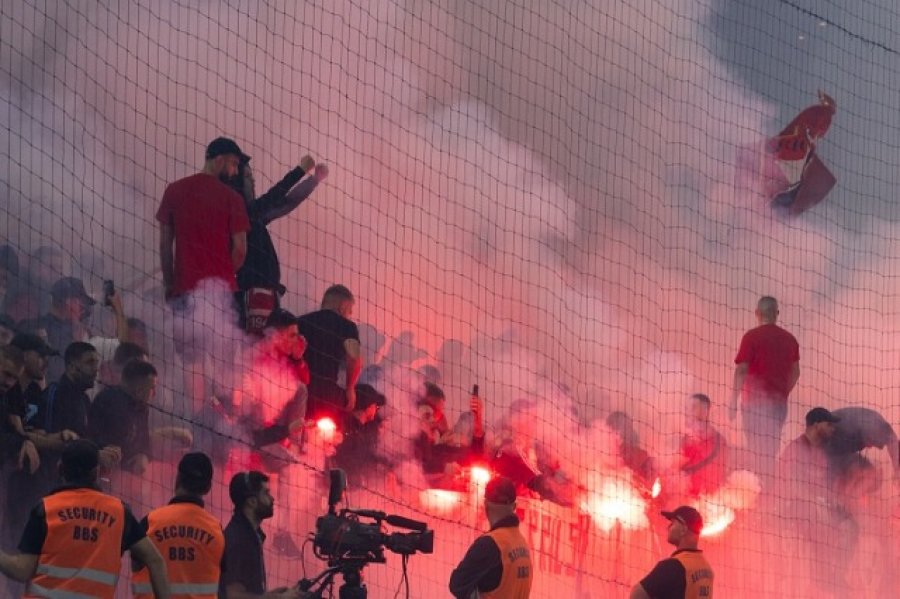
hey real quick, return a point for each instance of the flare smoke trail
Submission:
(537, 198)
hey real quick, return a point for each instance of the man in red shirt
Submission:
(203, 242)
(206, 222)
(767, 368)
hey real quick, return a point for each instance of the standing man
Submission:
(703, 449)
(70, 306)
(74, 539)
(188, 537)
(498, 564)
(685, 575)
(332, 341)
(244, 568)
(203, 242)
(259, 279)
(768, 367)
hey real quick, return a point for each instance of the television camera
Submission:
(349, 539)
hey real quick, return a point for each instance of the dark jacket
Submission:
(261, 267)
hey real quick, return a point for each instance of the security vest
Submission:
(698, 574)
(515, 583)
(191, 542)
(82, 552)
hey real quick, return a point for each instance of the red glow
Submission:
(327, 428)
(480, 475)
(656, 489)
(717, 517)
(440, 500)
(611, 502)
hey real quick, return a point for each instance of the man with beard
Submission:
(244, 568)
(13, 443)
(259, 279)
(203, 242)
(64, 407)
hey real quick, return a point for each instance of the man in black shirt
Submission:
(332, 341)
(119, 416)
(13, 443)
(856, 429)
(259, 278)
(685, 575)
(33, 380)
(498, 563)
(62, 527)
(244, 568)
(358, 452)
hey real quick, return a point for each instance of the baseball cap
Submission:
(78, 459)
(7, 321)
(817, 415)
(223, 145)
(31, 342)
(366, 395)
(196, 466)
(687, 516)
(68, 287)
(500, 490)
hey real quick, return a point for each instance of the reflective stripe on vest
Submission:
(81, 554)
(83, 573)
(698, 574)
(178, 589)
(515, 582)
(192, 543)
(35, 590)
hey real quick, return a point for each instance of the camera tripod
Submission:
(352, 587)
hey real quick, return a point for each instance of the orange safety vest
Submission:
(698, 574)
(82, 553)
(192, 543)
(515, 583)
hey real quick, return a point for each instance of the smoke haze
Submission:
(536, 196)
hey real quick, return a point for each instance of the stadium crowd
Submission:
(62, 385)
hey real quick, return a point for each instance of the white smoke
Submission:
(550, 185)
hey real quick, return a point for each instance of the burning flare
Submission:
(612, 501)
(440, 501)
(480, 476)
(326, 428)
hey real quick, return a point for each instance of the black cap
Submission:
(817, 415)
(223, 145)
(687, 516)
(9, 260)
(69, 287)
(196, 466)
(31, 342)
(500, 490)
(366, 395)
(78, 459)
(7, 321)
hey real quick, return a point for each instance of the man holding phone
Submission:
(438, 446)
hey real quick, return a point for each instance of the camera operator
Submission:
(498, 564)
(244, 570)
